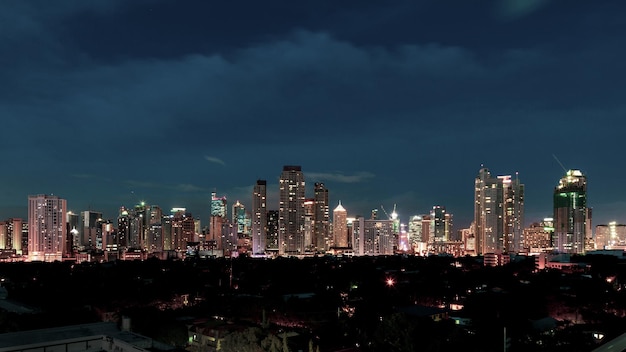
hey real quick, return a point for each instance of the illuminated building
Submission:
(571, 216)
(241, 218)
(183, 229)
(4, 242)
(321, 218)
(440, 229)
(166, 227)
(218, 205)
(91, 236)
(373, 236)
(259, 217)
(217, 221)
(291, 211)
(47, 231)
(440, 225)
(154, 233)
(498, 213)
(272, 230)
(11, 234)
(538, 237)
(73, 232)
(610, 235)
(138, 226)
(123, 227)
(340, 227)
(468, 240)
(415, 233)
(309, 224)
(108, 237)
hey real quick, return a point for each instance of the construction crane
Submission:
(393, 213)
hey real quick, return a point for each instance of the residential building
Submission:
(259, 217)
(47, 231)
(498, 213)
(321, 218)
(291, 211)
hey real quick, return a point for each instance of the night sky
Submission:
(108, 103)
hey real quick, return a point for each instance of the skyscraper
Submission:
(91, 236)
(241, 219)
(340, 227)
(291, 211)
(321, 217)
(272, 231)
(46, 227)
(373, 236)
(73, 232)
(309, 224)
(498, 213)
(259, 217)
(571, 213)
(217, 221)
(154, 237)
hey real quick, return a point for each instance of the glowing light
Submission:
(390, 282)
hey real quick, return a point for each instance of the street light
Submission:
(390, 281)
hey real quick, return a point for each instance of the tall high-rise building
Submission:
(182, 229)
(291, 211)
(571, 215)
(73, 232)
(139, 219)
(217, 220)
(241, 219)
(154, 232)
(513, 209)
(440, 233)
(91, 236)
(418, 233)
(373, 236)
(340, 227)
(272, 230)
(259, 217)
(498, 213)
(321, 218)
(47, 231)
(309, 223)
(123, 227)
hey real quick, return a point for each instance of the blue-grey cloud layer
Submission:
(406, 99)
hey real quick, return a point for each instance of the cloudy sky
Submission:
(106, 103)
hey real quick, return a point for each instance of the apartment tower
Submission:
(259, 217)
(291, 211)
(47, 232)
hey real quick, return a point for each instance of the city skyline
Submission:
(110, 103)
(219, 205)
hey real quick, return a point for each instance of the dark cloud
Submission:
(184, 99)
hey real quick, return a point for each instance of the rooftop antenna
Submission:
(558, 161)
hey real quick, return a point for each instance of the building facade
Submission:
(498, 213)
(340, 227)
(610, 235)
(259, 217)
(571, 215)
(321, 218)
(291, 211)
(373, 236)
(47, 231)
